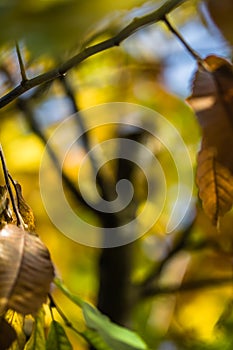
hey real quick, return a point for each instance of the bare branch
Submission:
(155, 271)
(125, 33)
(24, 107)
(187, 286)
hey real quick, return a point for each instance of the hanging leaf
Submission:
(7, 335)
(212, 100)
(37, 339)
(115, 337)
(26, 271)
(57, 338)
(215, 184)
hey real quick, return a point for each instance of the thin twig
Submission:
(193, 53)
(19, 220)
(116, 40)
(65, 318)
(61, 313)
(21, 64)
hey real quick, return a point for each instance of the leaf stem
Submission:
(172, 29)
(61, 313)
(20, 222)
(65, 319)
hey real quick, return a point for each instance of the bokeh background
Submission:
(151, 68)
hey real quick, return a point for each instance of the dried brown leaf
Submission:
(215, 184)
(26, 271)
(212, 100)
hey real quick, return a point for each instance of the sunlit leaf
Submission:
(57, 338)
(37, 339)
(16, 320)
(26, 270)
(212, 100)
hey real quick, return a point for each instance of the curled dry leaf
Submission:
(26, 271)
(212, 100)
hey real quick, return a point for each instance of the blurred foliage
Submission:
(56, 25)
(49, 30)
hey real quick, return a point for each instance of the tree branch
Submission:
(116, 40)
(23, 105)
(186, 286)
(155, 271)
(107, 188)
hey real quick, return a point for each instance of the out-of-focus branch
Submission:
(155, 272)
(23, 105)
(106, 187)
(187, 286)
(136, 24)
(115, 264)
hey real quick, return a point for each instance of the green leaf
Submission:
(93, 338)
(78, 301)
(116, 337)
(57, 338)
(37, 339)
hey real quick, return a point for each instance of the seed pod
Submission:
(26, 271)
